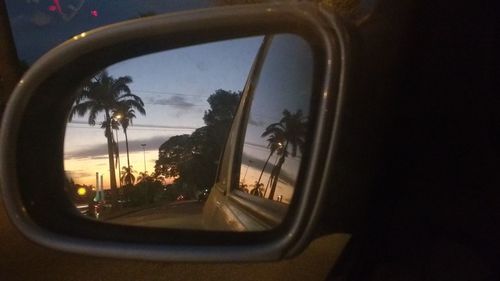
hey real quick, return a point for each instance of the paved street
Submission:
(180, 214)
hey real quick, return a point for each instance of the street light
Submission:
(144, 150)
(82, 191)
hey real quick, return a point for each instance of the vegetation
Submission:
(147, 190)
(103, 94)
(128, 177)
(275, 143)
(193, 159)
(124, 113)
(289, 132)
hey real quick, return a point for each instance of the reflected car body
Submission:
(233, 204)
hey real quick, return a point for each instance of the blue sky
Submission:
(174, 86)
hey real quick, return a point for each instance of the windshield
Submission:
(39, 25)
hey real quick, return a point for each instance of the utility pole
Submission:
(144, 150)
(248, 164)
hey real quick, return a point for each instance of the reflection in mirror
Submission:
(144, 136)
(273, 139)
(277, 123)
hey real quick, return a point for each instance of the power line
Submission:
(74, 122)
(137, 129)
(167, 93)
(180, 104)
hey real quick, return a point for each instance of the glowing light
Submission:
(81, 191)
(76, 37)
(94, 13)
(52, 8)
(57, 6)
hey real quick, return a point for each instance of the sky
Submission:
(285, 82)
(174, 86)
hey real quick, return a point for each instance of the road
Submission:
(180, 214)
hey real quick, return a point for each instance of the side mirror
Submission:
(241, 177)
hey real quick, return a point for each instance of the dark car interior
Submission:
(418, 171)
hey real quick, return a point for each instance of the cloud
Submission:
(175, 101)
(151, 143)
(259, 163)
(100, 157)
(202, 66)
(78, 174)
(256, 123)
(101, 151)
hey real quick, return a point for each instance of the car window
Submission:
(275, 136)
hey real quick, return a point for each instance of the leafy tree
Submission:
(149, 186)
(172, 152)
(292, 130)
(101, 94)
(193, 159)
(223, 105)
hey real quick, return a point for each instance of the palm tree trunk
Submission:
(265, 164)
(276, 173)
(126, 145)
(270, 180)
(112, 176)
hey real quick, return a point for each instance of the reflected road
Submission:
(181, 214)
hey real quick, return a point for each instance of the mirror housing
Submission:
(34, 122)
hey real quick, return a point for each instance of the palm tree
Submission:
(124, 113)
(128, 177)
(101, 94)
(114, 126)
(275, 142)
(292, 130)
(145, 177)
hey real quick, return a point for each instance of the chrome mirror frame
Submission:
(147, 35)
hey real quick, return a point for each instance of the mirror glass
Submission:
(145, 136)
